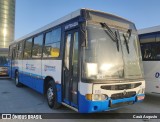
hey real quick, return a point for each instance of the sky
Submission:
(33, 14)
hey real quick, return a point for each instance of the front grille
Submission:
(121, 86)
(123, 95)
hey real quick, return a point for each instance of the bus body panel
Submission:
(34, 72)
(152, 76)
(150, 45)
(52, 68)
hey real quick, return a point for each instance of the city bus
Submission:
(3, 62)
(88, 60)
(150, 48)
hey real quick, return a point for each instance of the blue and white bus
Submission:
(3, 62)
(89, 61)
(150, 47)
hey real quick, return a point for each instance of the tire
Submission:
(52, 95)
(18, 84)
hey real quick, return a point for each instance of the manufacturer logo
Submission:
(124, 92)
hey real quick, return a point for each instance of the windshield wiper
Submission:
(117, 42)
(112, 35)
(127, 41)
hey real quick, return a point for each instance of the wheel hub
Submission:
(50, 95)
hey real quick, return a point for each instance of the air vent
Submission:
(121, 86)
(122, 95)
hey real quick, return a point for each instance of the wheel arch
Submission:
(46, 81)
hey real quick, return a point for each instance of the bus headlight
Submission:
(103, 97)
(96, 97)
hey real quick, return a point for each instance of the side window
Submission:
(37, 47)
(17, 51)
(27, 49)
(52, 43)
(13, 53)
(20, 50)
(10, 52)
(150, 51)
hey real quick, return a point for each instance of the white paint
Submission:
(97, 87)
(85, 88)
(42, 68)
(150, 69)
(54, 69)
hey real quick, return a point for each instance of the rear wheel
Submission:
(18, 84)
(52, 95)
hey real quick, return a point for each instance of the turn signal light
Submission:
(96, 97)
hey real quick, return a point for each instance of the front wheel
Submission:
(18, 84)
(52, 95)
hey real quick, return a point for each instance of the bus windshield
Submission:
(102, 60)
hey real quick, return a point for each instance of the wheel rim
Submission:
(50, 95)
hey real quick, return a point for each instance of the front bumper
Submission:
(87, 106)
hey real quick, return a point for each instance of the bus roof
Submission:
(149, 30)
(62, 20)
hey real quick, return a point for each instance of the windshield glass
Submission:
(103, 61)
(132, 56)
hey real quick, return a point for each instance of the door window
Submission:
(75, 54)
(67, 51)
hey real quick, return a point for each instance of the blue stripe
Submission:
(32, 82)
(33, 75)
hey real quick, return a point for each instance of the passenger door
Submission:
(70, 82)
